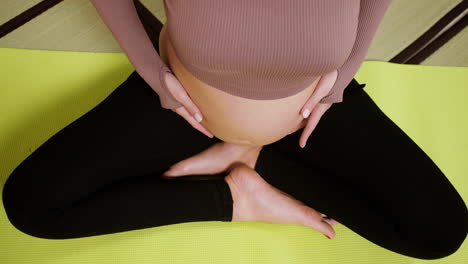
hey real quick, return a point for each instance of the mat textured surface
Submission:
(43, 91)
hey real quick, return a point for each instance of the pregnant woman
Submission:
(250, 69)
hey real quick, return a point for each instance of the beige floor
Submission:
(75, 25)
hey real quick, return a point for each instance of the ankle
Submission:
(235, 197)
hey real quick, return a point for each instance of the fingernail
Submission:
(198, 117)
(328, 237)
(170, 171)
(165, 177)
(306, 113)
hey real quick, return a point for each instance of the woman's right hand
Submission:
(189, 111)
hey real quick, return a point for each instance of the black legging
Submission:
(100, 175)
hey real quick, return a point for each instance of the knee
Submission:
(437, 247)
(25, 213)
(28, 221)
(435, 241)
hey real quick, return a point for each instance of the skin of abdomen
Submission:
(236, 119)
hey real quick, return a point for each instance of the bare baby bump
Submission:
(235, 119)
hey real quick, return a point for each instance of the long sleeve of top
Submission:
(165, 97)
(270, 49)
(371, 13)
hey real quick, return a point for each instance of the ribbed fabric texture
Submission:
(270, 49)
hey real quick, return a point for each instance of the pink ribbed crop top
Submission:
(269, 49)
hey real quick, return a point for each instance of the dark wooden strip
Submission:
(405, 55)
(151, 24)
(26, 16)
(439, 42)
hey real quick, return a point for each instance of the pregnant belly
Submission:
(235, 119)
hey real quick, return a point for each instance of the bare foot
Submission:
(257, 200)
(218, 158)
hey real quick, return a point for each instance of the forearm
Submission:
(122, 19)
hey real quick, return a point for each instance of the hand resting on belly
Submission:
(234, 119)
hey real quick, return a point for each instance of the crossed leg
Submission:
(361, 169)
(100, 174)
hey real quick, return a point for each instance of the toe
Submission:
(315, 220)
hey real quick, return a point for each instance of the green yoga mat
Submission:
(43, 91)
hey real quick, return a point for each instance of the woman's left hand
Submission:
(312, 110)
(311, 122)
